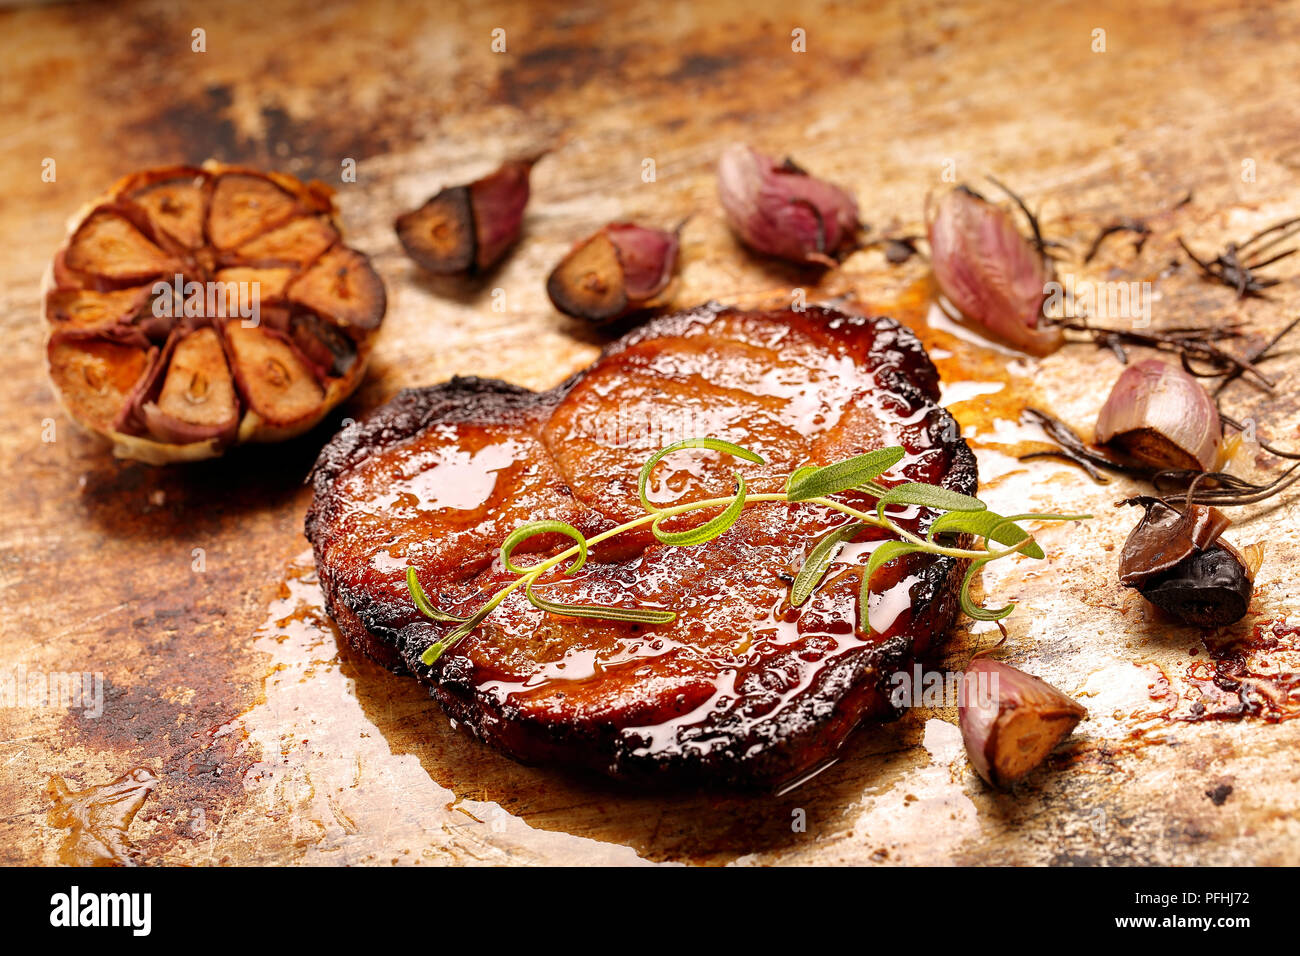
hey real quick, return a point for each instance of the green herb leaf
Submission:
(818, 560)
(969, 607)
(800, 472)
(928, 496)
(994, 527)
(711, 528)
(986, 524)
(533, 528)
(437, 649)
(713, 444)
(604, 613)
(422, 602)
(843, 475)
(959, 514)
(882, 554)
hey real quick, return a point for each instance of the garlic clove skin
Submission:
(498, 202)
(780, 210)
(1161, 415)
(649, 259)
(1010, 721)
(1251, 557)
(990, 272)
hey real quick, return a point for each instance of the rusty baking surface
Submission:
(229, 713)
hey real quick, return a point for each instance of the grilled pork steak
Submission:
(741, 688)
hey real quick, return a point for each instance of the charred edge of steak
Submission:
(462, 398)
(373, 640)
(767, 752)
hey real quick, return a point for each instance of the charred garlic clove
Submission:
(623, 268)
(1210, 588)
(467, 229)
(1177, 560)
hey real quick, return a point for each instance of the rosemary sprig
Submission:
(958, 515)
(1226, 489)
(1236, 265)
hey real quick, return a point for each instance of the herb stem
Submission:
(958, 513)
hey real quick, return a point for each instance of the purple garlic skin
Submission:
(779, 210)
(649, 258)
(991, 273)
(499, 201)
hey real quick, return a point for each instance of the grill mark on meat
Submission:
(742, 688)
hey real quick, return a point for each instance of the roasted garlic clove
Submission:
(588, 282)
(97, 378)
(621, 269)
(343, 286)
(467, 229)
(177, 205)
(1010, 721)
(109, 245)
(1179, 561)
(197, 399)
(1210, 588)
(1162, 416)
(270, 284)
(1165, 537)
(298, 243)
(244, 206)
(85, 310)
(273, 377)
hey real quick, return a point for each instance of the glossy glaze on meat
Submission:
(741, 688)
